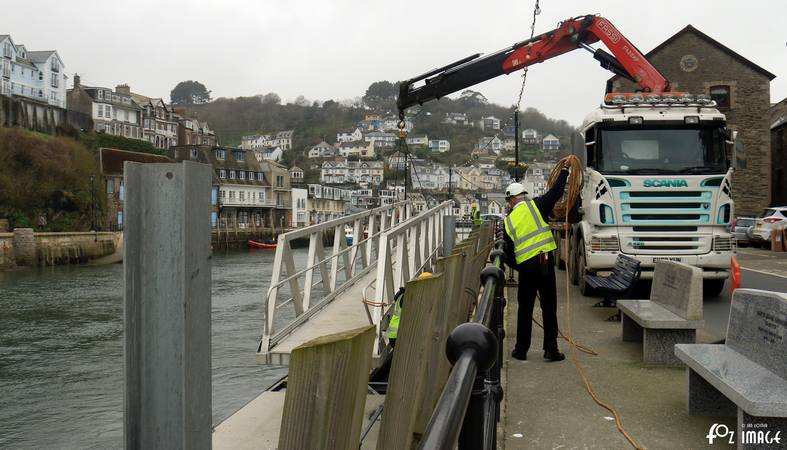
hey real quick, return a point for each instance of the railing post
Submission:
(449, 234)
(167, 306)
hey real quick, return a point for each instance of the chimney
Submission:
(76, 81)
(123, 89)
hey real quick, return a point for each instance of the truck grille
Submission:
(674, 207)
(646, 243)
(723, 244)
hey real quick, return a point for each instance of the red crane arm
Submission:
(574, 33)
(587, 30)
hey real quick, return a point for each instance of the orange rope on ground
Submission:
(573, 190)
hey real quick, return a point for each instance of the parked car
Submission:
(491, 217)
(739, 229)
(760, 233)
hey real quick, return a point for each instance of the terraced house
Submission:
(37, 75)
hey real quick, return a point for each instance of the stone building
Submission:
(778, 126)
(694, 62)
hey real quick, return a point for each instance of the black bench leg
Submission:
(614, 317)
(606, 303)
(706, 400)
(753, 431)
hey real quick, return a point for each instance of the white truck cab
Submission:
(657, 185)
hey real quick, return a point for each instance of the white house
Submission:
(490, 143)
(269, 153)
(296, 175)
(37, 75)
(349, 135)
(363, 173)
(430, 176)
(381, 139)
(358, 149)
(439, 145)
(419, 139)
(490, 123)
(455, 119)
(300, 216)
(282, 139)
(550, 142)
(530, 136)
(113, 112)
(322, 150)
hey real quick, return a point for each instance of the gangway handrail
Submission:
(382, 217)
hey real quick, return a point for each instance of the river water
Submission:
(61, 349)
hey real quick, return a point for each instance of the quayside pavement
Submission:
(547, 406)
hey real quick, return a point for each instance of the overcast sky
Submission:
(335, 49)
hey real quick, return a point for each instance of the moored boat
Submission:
(261, 245)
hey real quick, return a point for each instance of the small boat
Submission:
(348, 235)
(262, 245)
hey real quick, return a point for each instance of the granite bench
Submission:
(671, 316)
(747, 375)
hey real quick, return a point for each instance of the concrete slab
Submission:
(346, 312)
(256, 425)
(548, 407)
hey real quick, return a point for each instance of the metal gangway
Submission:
(343, 287)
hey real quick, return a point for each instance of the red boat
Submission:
(263, 245)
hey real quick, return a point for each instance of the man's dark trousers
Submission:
(532, 279)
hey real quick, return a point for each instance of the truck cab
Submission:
(657, 185)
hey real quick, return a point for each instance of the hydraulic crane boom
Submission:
(574, 33)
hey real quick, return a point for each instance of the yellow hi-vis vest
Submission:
(530, 233)
(393, 323)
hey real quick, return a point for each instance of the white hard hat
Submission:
(515, 189)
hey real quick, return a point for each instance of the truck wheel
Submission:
(573, 272)
(584, 288)
(559, 263)
(712, 288)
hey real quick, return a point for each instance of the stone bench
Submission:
(671, 316)
(747, 375)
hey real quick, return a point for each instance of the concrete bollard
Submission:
(25, 247)
(167, 306)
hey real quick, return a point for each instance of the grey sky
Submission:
(335, 49)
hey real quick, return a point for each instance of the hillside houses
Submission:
(344, 171)
(282, 139)
(322, 150)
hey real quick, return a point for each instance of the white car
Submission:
(760, 233)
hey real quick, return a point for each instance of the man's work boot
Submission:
(554, 355)
(519, 354)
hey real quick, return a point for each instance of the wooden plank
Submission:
(448, 316)
(408, 370)
(326, 392)
(167, 306)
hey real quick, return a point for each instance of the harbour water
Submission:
(61, 349)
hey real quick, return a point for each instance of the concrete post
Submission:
(25, 247)
(449, 234)
(167, 306)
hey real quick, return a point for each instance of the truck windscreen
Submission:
(661, 150)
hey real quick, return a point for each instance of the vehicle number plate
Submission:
(667, 258)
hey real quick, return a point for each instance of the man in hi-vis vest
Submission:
(530, 251)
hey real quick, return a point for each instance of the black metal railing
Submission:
(469, 407)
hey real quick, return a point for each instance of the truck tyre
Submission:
(559, 263)
(573, 272)
(712, 288)
(584, 288)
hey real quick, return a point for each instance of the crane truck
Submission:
(657, 176)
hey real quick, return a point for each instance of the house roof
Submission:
(550, 137)
(41, 56)
(112, 159)
(691, 29)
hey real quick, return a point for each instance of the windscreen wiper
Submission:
(700, 169)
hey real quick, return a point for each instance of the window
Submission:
(279, 181)
(222, 173)
(220, 153)
(222, 194)
(241, 175)
(110, 186)
(108, 111)
(193, 153)
(122, 192)
(100, 110)
(120, 220)
(240, 156)
(55, 80)
(242, 195)
(251, 176)
(260, 177)
(40, 76)
(721, 95)
(100, 95)
(232, 174)
(232, 196)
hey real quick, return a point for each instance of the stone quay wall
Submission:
(25, 248)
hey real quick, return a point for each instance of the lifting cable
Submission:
(575, 186)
